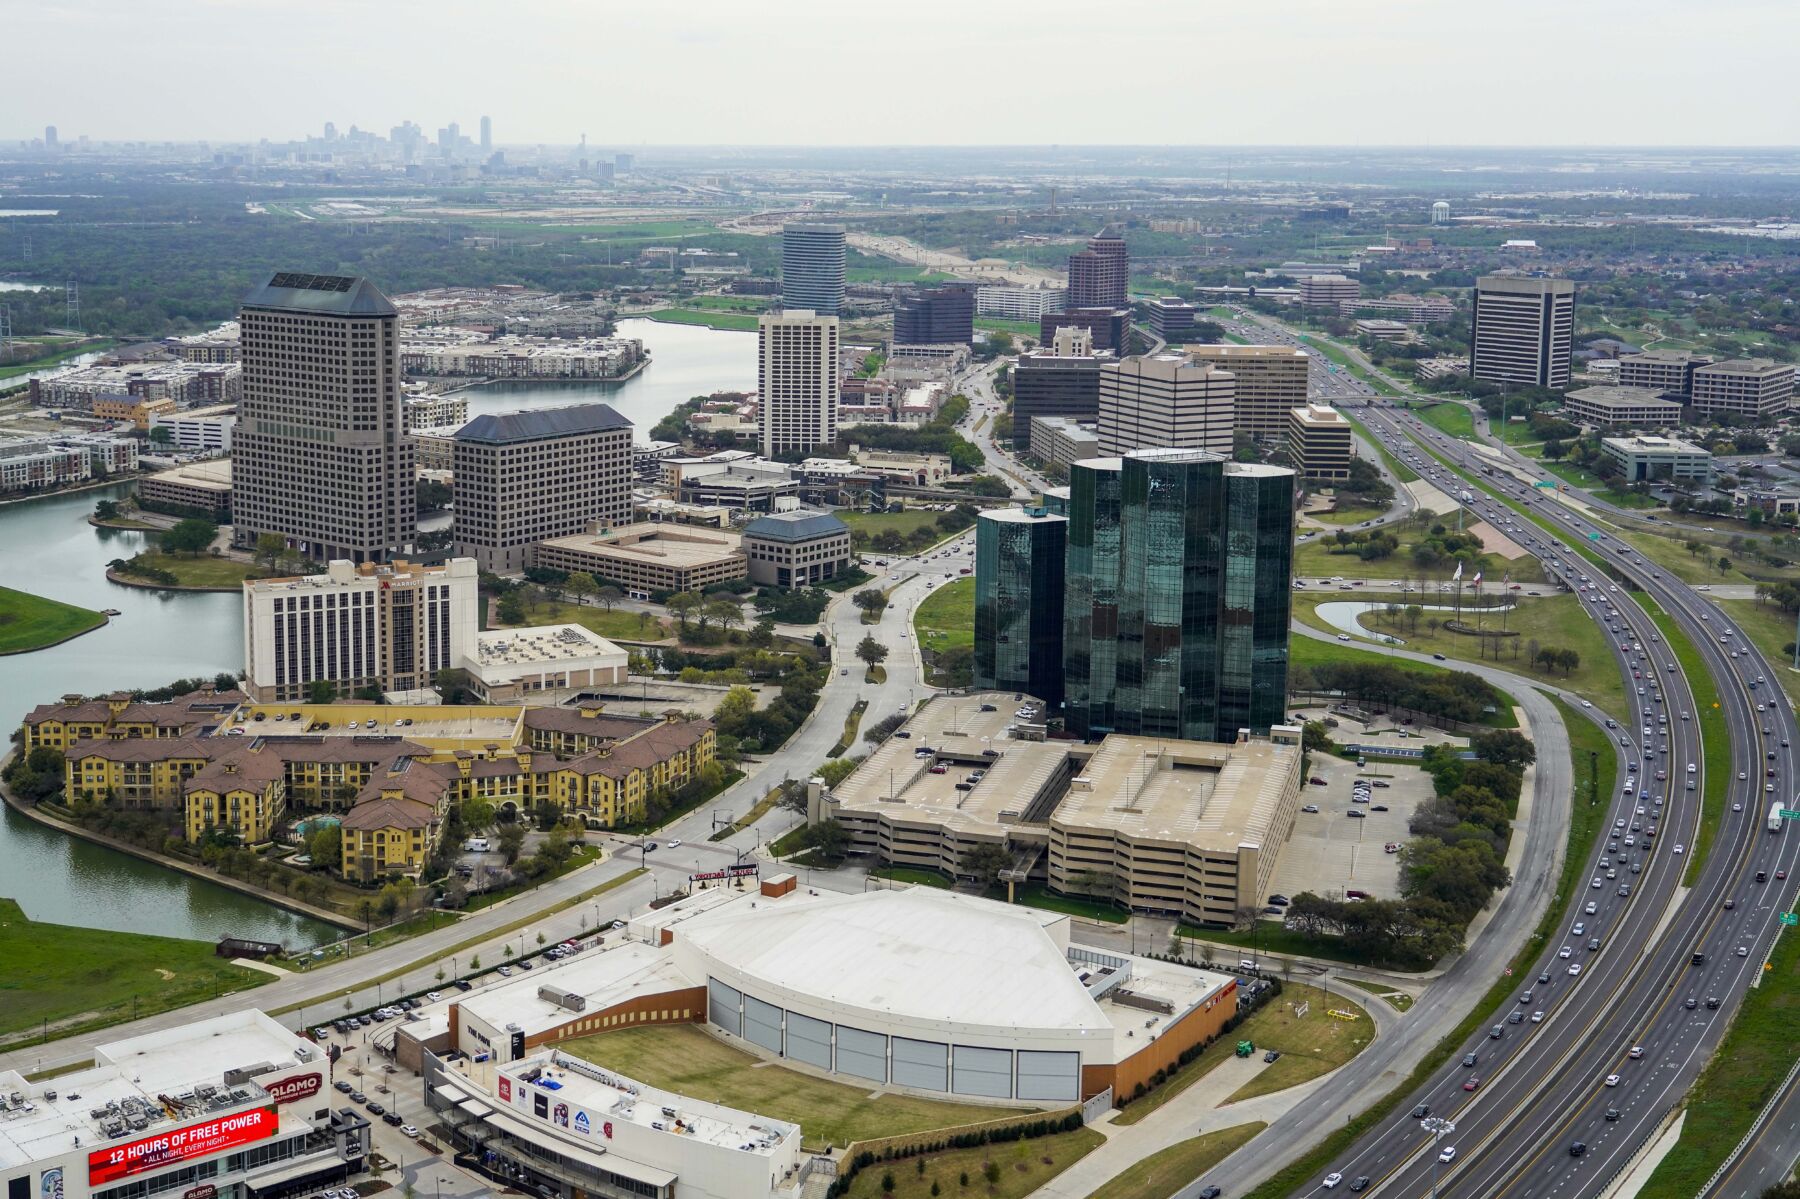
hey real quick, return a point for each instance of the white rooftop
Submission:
(541, 643)
(920, 953)
(138, 1073)
(602, 976)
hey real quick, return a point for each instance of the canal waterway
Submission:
(48, 548)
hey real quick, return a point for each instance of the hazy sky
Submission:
(808, 72)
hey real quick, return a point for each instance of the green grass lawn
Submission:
(1316, 1045)
(1552, 620)
(1035, 895)
(1450, 417)
(1773, 631)
(1313, 559)
(58, 972)
(1671, 553)
(732, 321)
(750, 304)
(49, 360)
(628, 626)
(224, 574)
(996, 325)
(1310, 651)
(1349, 512)
(30, 622)
(1024, 1167)
(946, 620)
(904, 523)
(1587, 480)
(1309, 1048)
(1749, 1064)
(685, 1059)
(1168, 1170)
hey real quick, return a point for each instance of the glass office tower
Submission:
(1019, 602)
(1175, 621)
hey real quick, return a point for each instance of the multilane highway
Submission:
(1544, 1087)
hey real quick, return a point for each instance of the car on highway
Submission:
(1612, 1080)
(1637, 1051)
(1575, 970)
(1331, 1180)
(1449, 1153)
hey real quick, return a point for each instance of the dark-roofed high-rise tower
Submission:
(320, 455)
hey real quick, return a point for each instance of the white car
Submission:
(1331, 1180)
(1565, 952)
(432, 996)
(1448, 1155)
(1679, 847)
(675, 844)
(1537, 1017)
(407, 1130)
(1637, 1051)
(1612, 1080)
(1575, 970)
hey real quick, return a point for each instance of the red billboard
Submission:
(181, 1144)
(295, 1086)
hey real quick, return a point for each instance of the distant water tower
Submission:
(1440, 213)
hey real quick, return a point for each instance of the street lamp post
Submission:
(1439, 1128)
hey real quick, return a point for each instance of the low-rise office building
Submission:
(1060, 441)
(796, 549)
(1607, 407)
(1413, 310)
(1019, 303)
(1319, 443)
(1384, 330)
(748, 485)
(199, 430)
(1756, 388)
(1171, 318)
(1667, 372)
(1185, 828)
(1062, 378)
(1658, 459)
(1328, 291)
(509, 664)
(193, 489)
(233, 1105)
(136, 409)
(646, 558)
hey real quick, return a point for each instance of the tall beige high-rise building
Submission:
(797, 377)
(1522, 330)
(320, 455)
(1165, 401)
(525, 477)
(1271, 383)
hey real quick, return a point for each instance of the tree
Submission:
(828, 838)
(608, 596)
(870, 600)
(1724, 564)
(1555, 450)
(162, 435)
(324, 845)
(512, 839)
(1504, 747)
(106, 510)
(726, 612)
(580, 584)
(320, 691)
(871, 651)
(984, 863)
(269, 548)
(190, 536)
(683, 605)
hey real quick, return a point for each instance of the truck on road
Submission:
(1775, 818)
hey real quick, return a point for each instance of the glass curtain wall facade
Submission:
(1178, 600)
(1019, 557)
(1091, 601)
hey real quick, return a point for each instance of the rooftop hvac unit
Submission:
(563, 999)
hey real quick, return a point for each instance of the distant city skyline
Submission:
(1290, 72)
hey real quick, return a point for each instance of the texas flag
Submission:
(1476, 581)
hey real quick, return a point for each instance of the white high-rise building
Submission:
(1166, 401)
(392, 627)
(797, 378)
(1523, 330)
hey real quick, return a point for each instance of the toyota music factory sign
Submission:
(182, 1144)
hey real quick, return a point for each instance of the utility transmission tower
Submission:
(6, 337)
(72, 305)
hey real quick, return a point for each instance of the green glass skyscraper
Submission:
(1176, 617)
(1019, 556)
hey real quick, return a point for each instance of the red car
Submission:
(1472, 1084)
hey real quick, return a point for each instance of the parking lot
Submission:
(1330, 852)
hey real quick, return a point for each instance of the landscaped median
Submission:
(1744, 1072)
(31, 622)
(1715, 738)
